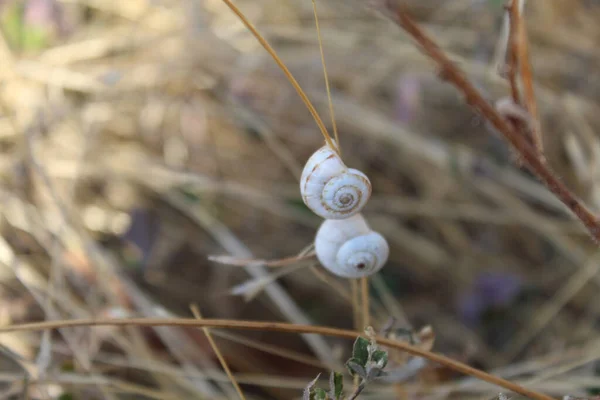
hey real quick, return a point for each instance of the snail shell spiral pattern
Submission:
(332, 190)
(349, 248)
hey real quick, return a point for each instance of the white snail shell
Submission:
(349, 248)
(330, 189)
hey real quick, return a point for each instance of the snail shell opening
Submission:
(330, 189)
(362, 256)
(349, 248)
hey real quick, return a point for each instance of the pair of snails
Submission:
(344, 244)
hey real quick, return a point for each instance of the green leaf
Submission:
(320, 394)
(373, 373)
(360, 351)
(380, 358)
(356, 369)
(336, 385)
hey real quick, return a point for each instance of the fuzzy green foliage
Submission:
(367, 362)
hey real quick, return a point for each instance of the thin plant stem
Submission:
(356, 304)
(511, 68)
(213, 344)
(357, 391)
(285, 70)
(330, 102)
(366, 315)
(518, 62)
(473, 97)
(270, 349)
(512, 51)
(527, 76)
(279, 327)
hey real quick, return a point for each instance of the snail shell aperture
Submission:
(332, 190)
(349, 248)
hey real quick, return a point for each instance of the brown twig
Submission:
(512, 50)
(511, 71)
(280, 327)
(518, 62)
(526, 151)
(527, 79)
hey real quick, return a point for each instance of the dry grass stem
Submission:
(326, 76)
(213, 344)
(518, 65)
(281, 327)
(365, 302)
(513, 48)
(240, 262)
(525, 70)
(566, 293)
(287, 72)
(356, 310)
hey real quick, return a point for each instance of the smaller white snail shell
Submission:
(349, 248)
(332, 190)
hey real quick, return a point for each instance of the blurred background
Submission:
(140, 137)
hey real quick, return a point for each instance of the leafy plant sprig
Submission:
(336, 388)
(367, 363)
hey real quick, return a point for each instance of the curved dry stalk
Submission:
(331, 112)
(280, 327)
(285, 70)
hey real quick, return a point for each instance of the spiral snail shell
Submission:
(349, 248)
(330, 189)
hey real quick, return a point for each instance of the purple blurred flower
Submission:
(490, 290)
